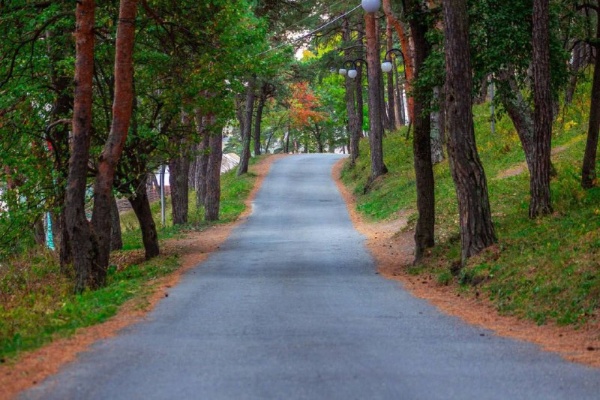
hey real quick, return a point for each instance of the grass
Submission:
(37, 303)
(543, 270)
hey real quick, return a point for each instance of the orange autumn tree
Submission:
(305, 114)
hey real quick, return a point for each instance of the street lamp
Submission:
(344, 70)
(370, 6)
(386, 66)
(350, 66)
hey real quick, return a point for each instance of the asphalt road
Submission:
(291, 308)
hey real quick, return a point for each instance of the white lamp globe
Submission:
(386, 66)
(371, 6)
(352, 74)
(342, 71)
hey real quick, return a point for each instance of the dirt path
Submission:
(35, 366)
(393, 252)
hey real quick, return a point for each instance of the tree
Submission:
(91, 246)
(476, 228)
(425, 228)
(542, 135)
(378, 167)
(588, 169)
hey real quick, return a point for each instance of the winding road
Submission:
(291, 308)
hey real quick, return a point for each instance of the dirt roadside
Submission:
(393, 252)
(195, 247)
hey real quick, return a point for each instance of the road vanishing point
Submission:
(291, 307)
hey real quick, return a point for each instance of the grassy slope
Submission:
(546, 270)
(37, 303)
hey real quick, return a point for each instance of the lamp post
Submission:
(386, 65)
(350, 67)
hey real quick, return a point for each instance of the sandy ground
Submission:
(393, 251)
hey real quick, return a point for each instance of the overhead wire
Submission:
(311, 32)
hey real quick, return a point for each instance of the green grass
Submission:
(543, 270)
(37, 303)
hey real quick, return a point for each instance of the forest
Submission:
(427, 98)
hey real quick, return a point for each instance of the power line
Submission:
(311, 32)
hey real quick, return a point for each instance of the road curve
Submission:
(291, 308)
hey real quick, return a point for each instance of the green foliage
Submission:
(37, 302)
(544, 270)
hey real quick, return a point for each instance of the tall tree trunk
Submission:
(378, 167)
(83, 244)
(588, 170)
(201, 160)
(519, 112)
(141, 207)
(354, 130)
(391, 104)
(122, 110)
(437, 123)
(409, 64)
(258, 120)
(116, 239)
(542, 115)
(213, 177)
(424, 231)
(360, 104)
(178, 180)
(476, 228)
(247, 128)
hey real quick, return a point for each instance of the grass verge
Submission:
(546, 270)
(37, 303)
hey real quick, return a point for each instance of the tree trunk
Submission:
(588, 170)
(378, 167)
(247, 128)
(141, 207)
(542, 135)
(425, 229)
(360, 104)
(437, 123)
(354, 130)
(409, 65)
(391, 104)
(178, 180)
(84, 247)
(476, 228)
(122, 110)
(213, 178)
(116, 239)
(201, 161)
(258, 121)
(518, 111)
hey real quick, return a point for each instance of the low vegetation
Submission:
(37, 302)
(543, 270)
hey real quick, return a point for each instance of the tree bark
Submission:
(588, 169)
(178, 180)
(247, 128)
(213, 177)
(354, 130)
(391, 103)
(116, 239)
(476, 228)
(409, 62)
(84, 247)
(141, 207)
(201, 160)
(122, 110)
(425, 228)
(258, 120)
(378, 167)
(542, 115)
